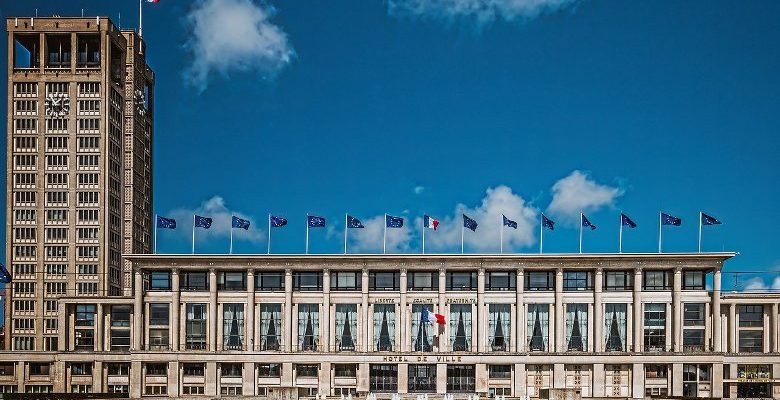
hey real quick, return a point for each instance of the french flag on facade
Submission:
(430, 222)
(429, 317)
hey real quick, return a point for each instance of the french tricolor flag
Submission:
(152, 1)
(430, 223)
(429, 317)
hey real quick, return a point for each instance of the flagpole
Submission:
(384, 237)
(700, 231)
(156, 217)
(423, 236)
(269, 233)
(462, 229)
(501, 247)
(346, 226)
(541, 232)
(659, 232)
(193, 233)
(231, 238)
(307, 233)
(140, 18)
(620, 236)
(580, 232)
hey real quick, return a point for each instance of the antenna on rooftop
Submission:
(82, 13)
(36, 13)
(120, 20)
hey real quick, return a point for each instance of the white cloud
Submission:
(216, 209)
(579, 192)
(758, 284)
(418, 189)
(479, 11)
(369, 239)
(231, 35)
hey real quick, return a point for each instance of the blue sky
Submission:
(406, 108)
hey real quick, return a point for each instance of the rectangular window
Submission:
(231, 281)
(693, 314)
(158, 314)
(540, 280)
(421, 332)
(461, 280)
(537, 330)
(657, 280)
(269, 370)
(460, 327)
(270, 326)
(308, 326)
(231, 370)
(751, 316)
(751, 341)
(383, 378)
(118, 369)
(693, 340)
(85, 315)
(307, 281)
(615, 327)
(194, 369)
(156, 369)
(693, 280)
(499, 371)
(499, 327)
(422, 281)
(196, 327)
(346, 327)
(655, 327)
(233, 326)
(422, 378)
(345, 370)
(195, 281)
(384, 280)
(160, 280)
(307, 370)
(269, 281)
(81, 369)
(345, 280)
(577, 281)
(501, 280)
(460, 379)
(577, 327)
(384, 327)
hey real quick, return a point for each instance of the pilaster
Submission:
(598, 320)
(213, 317)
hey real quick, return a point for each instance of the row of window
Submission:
(426, 281)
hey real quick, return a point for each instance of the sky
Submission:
(482, 107)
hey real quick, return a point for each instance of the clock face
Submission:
(57, 105)
(140, 103)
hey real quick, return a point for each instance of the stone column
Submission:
(598, 320)
(717, 380)
(560, 326)
(367, 338)
(175, 309)
(481, 341)
(212, 379)
(480, 378)
(774, 329)
(98, 383)
(442, 335)
(677, 310)
(324, 379)
(717, 327)
(287, 337)
(441, 378)
(401, 330)
(520, 381)
(250, 380)
(403, 378)
(638, 317)
(363, 378)
(138, 314)
(598, 380)
(136, 379)
(213, 317)
(174, 386)
(638, 381)
(559, 376)
(249, 313)
(520, 313)
(325, 342)
(732, 328)
(100, 331)
(677, 375)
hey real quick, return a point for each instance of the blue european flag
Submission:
(166, 223)
(393, 222)
(625, 221)
(353, 222)
(5, 276)
(667, 219)
(586, 223)
(315, 222)
(548, 223)
(469, 223)
(202, 222)
(240, 223)
(709, 220)
(508, 222)
(277, 222)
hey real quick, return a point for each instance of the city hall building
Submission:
(593, 325)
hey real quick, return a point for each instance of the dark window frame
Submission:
(549, 278)
(666, 278)
(626, 276)
(576, 281)
(336, 286)
(266, 281)
(298, 278)
(413, 279)
(187, 282)
(492, 277)
(227, 282)
(160, 280)
(455, 281)
(698, 280)
(372, 280)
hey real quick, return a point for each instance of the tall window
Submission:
(383, 378)
(460, 327)
(538, 321)
(422, 332)
(751, 341)
(499, 330)
(422, 378)
(577, 280)
(384, 327)
(308, 326)
(158, 326)
(233, 326)
(232, 281)
(460, 379)
(501, 280)
(693, 376)
(427, 281)
(693, 323)
(270, 326)
(577, 327)
(615, 327)
(751, 316)
(655, 327)
(195, 329)
(84, 324)
(657, 280)
(120, 328)
(349, 280)
(160, 280)
(540, 280)
(618, 280)
(346, 327)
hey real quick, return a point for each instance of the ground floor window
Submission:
(499, 391)
(345, 391)
(460, 378)
(422, 377)
(231, 390)
(383, 377)
(696, 378)
(754, 390)
(191, 389)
